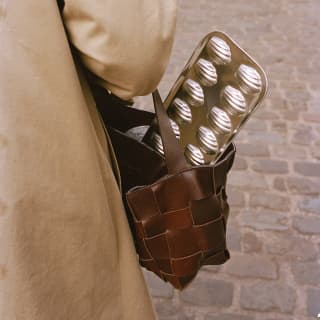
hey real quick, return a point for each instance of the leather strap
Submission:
(174, 156)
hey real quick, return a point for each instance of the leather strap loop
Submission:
(174, 156)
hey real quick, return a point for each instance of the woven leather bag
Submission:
(179, 221)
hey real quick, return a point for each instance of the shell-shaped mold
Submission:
(206, 72)
(157, 142)
(207, 139)
(175, 128)
(249, 79)
(194, 155)
(181, 110)
(219, 121)
(233, 100)
(137, 132)
(219, 51)
(193, 93)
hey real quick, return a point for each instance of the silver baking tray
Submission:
(213, 97)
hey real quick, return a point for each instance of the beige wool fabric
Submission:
(126, 43)
(66, 252)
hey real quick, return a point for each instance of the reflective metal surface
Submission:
(194, 155)
(219, 51)
(207, 72)
(193, 93)
(157, 142)
(181, 111)
(249, 79)
(219, 121)
(233, 100)
(213, 97)
(207, 139)
(175, 128)
(137, 132)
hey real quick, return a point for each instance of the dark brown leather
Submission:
(174, 156)
(139, 164)
(180, 224)
(177, 213)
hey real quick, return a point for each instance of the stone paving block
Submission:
(314, 104)
(286, 317)
(289, 115)
(311, 117)
(269, 201)
(315, 152)
(251, 266)
(279, 184)
(270, 166)
(306, 225)
(267, 138)
(166, 309)
(310, 169)
(291, 247)
(266, 296)
(303, 136)
(263, 220)
(276, 72)
(279, 126)
(255, 125)
(208, 292)
(247, 181)
(303, 186)
(157, 287)
(313, 302)
(310, 205)
(235, 197)
(227, 316)
(240, 164)
(289, 151)
(297, 94)
(306, 273)
(252, 150)
(266, 115)
(251, 243)
(186, 316)
(233, 238)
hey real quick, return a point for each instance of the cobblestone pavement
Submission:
(274, 187)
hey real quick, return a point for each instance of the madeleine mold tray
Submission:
(215, 94)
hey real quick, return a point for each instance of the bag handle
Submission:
(174, 156)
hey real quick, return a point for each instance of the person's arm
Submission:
(126, 44)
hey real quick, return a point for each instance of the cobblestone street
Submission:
(274, 186)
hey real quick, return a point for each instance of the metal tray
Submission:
(213, 97)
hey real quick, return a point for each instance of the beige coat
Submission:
(66, 252)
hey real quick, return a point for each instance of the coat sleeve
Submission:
(126, 44)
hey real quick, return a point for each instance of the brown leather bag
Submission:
(177, 212)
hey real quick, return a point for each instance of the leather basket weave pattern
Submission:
(181, 224)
